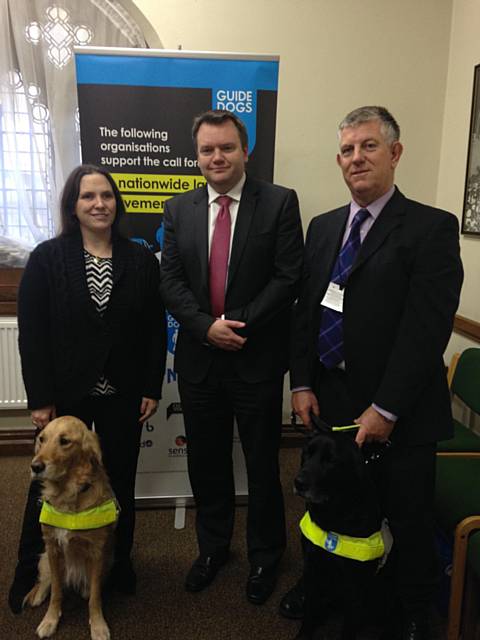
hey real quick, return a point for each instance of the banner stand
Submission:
(136, 108)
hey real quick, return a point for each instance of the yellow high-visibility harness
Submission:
(361, 549)
(93, 518)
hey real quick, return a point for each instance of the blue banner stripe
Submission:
(196, 73)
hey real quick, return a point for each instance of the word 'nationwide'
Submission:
(138, 183)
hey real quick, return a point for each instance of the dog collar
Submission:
(93, 518)
(362, 549)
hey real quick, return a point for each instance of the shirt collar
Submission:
(374, 207)
(235, 192)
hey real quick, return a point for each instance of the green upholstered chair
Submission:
(457, 510)
(465, 384)
(473, 553)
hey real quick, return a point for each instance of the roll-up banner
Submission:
(136, 109)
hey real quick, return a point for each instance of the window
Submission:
(39, 137)
(25, 155)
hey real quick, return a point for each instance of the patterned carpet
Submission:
(163, 555)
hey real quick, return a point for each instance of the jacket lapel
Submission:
(246, 210)
(77, 277)
(327, 249)
(200, 224)
(390, 217)
(119, 258)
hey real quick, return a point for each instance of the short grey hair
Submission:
(388, 124)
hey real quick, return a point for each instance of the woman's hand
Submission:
(41, 417)
(147, 408)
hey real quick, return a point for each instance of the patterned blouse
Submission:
(99, 281)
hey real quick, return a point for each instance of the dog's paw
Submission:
(48, 625)
(99, 630)
(37, 595)
(30, 599)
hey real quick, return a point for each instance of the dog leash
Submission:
(372, 452)
(320, 425)
(347, 427)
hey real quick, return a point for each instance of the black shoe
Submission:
(411, 628)
(292, 605)
(260, 584)
(22, 584)
(415, 629)
(203, 572)
(122, 578)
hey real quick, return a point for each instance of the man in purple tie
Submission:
(230, 270)
(381, 285)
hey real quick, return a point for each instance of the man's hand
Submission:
(41, 417)
(374, 427)
(221, 335)
(304, 403)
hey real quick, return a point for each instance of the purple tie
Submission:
(219, 252)
(330, 337)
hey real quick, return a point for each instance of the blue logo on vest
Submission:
(331, 541)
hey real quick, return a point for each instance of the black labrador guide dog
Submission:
(342, 517)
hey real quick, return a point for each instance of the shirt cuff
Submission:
(391, 417)
(300, 389)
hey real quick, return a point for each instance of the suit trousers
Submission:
(405, 479)
(209, 409)
(116, 424)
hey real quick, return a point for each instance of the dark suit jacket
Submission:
(263, 278)
(399, 305)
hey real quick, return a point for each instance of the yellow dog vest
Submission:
(354, 548)
(93, 518)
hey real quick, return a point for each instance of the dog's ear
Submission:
(91, 447)
(37, 442)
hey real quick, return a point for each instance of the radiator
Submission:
(12, 391)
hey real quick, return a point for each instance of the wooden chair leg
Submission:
(462, 533)
(470, 605)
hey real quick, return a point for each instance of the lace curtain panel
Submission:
(39, 131)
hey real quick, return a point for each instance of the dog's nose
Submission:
(37, 467)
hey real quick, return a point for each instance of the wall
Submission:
(464, 55)
(334, 55)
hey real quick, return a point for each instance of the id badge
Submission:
(333, 298)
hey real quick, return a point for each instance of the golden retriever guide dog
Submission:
(78, 518)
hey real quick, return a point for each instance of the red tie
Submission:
(219, 252)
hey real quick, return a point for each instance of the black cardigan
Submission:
(65, 345)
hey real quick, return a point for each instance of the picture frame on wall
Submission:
(471, 200)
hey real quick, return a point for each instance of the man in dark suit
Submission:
(230, 269)
(381, 284)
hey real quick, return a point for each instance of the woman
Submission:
(92, 342)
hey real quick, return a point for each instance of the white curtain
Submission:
(39, 136)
